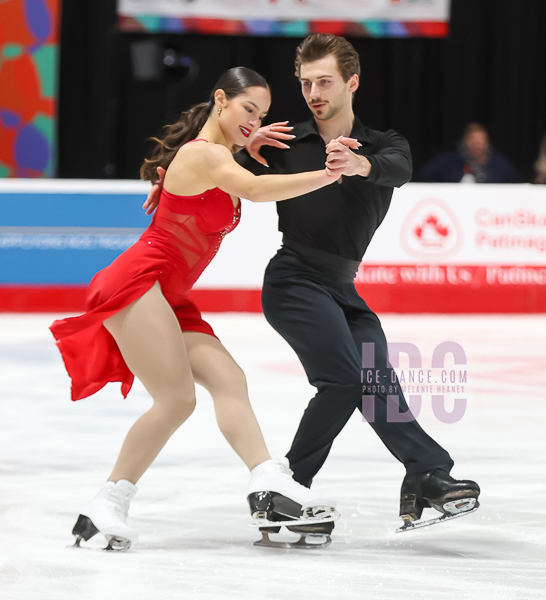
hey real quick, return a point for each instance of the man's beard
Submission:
(329, 112)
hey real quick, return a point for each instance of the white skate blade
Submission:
(303, 542)
(319, 504)
(471, 505)
(117, 543)
(332, 516)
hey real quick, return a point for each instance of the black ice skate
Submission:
(436, 489)
(276, 500)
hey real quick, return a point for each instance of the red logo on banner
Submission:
(431, 229)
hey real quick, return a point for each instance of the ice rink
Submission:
(191, 513)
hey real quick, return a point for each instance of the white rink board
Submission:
(486, 225)
(459, 224)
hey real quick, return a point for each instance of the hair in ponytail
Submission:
(234, 82)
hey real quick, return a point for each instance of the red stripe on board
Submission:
(41, 298)
(38, 298)
(409, 298)
(227, 300)
(415, 298)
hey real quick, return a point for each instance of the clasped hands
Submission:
(343, 161)
(340, 161)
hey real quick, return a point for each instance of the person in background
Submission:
(474, 161)
(540, 164)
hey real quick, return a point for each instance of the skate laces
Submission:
(120, 502)
(281, 468)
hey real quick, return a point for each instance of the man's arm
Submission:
(391, 163)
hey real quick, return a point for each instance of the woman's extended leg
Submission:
(151, 343)
(271, 493)
(214, 369)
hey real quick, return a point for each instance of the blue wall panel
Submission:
(65, 238)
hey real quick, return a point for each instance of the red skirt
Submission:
(91, 355)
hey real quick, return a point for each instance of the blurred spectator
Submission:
(540, 164)
(474, 161)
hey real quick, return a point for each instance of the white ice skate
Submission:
(107, 514)
(275, 499)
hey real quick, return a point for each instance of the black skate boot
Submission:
(436, 489)
(276, 500)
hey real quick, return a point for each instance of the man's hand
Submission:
(342, 161)
(270, 135)
(152, 200)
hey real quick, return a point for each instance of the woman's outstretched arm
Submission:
(230, 177)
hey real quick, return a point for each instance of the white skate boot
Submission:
(107, 514)
(275, 499)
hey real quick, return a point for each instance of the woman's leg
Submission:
(271, 483)
(151, 343)
(214, 369)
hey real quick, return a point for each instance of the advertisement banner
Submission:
(441, 248)
(29, 39)
(463, 224)
(376, 18)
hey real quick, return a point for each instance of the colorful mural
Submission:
(301, 28)
(29, 31)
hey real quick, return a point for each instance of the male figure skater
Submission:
(308, 294)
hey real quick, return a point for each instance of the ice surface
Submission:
(191, 512)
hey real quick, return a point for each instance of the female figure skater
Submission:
(140, 322)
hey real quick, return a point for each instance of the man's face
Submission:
(477, 143)
(324, 89)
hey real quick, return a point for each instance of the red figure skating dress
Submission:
(182, 239)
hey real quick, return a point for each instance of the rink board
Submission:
(442, 248)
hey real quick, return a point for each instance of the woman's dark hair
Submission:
(233, 82)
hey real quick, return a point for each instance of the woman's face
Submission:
(242, 115)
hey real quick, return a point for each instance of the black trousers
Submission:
(326, 322)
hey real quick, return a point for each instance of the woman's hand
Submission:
(270, 135)
(152, 200)
(342, 161)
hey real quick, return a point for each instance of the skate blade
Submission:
(117, 544)
(77, 543)
(332, 516)
(114, 544)
(454, 510)
(304, 542)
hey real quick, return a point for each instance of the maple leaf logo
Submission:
(432, 222)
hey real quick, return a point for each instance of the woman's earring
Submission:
(219, 111)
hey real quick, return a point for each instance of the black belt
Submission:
(331, 265)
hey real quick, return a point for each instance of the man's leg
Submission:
(304, 312)
(406, 440)
(427, 482)
(326, 326)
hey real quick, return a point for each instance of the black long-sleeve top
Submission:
(340, 218)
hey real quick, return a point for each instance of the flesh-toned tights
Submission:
(168, 362)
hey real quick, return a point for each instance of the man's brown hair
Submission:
(473, 128)
(321, 45)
